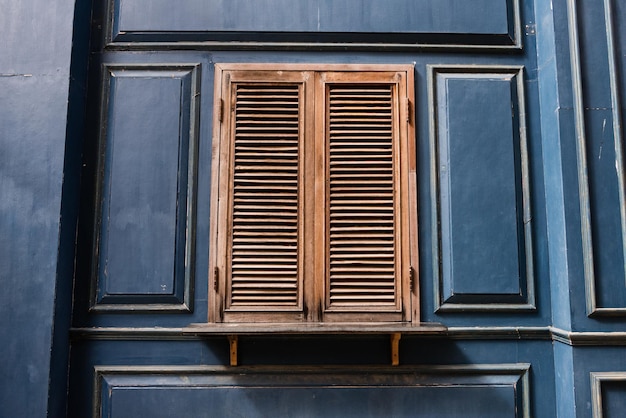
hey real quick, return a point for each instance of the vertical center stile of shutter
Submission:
(361, 236)
(264, 264)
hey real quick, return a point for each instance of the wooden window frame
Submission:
(312, 305)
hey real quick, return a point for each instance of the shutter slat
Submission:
(276, 275)
(264, 270)
(361, 234)
(368, 228)
(242, 253)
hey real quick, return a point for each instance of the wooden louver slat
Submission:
(361, 218)
(264, 268)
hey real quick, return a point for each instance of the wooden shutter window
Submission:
(361, 239)
(313, 208)
(265, 215)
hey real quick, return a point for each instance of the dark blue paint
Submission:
(40, 160)
(426, 16)
(594, 50)
(606, 219)
(614, 399)
(70, 204)
(139, 213)
(356, 351)
(619, 34)
(588, 360)
(33, 116)
(484, 228)
(554, 124)
(606, 243)
(478, 180)
(597, 96)
(320, 392)
(373, 401)
(565, 387)
(143, 217)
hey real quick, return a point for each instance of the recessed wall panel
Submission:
(479, 23)
(480, 167)
(147, 169)
(479, 391)
(599, 103)
(608, 394)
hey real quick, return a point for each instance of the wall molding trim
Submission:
(126, 29)
(588, 231)
(571, 338)
(108, 380)
(598, 379)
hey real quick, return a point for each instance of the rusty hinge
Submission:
(412, 278)
(220, 110)
(408, 110)
(216, 277)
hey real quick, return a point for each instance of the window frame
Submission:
(313, 160)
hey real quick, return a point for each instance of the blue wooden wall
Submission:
(35, 56)
(105, 176)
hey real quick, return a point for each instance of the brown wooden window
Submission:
(314, 215)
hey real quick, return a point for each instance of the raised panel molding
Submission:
(468, 390)
(599, 85)
(143, 251)
(481, 24)
(482, 245)
(608, 394)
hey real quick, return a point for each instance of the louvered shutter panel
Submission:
(264, 258)
(361, 238)
(313, 209)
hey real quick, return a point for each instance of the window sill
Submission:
(332, 328)
(393, 329)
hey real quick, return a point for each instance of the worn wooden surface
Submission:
(345, 225)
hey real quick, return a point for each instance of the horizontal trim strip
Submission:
(302, 46)
(588, 338)
(457, 333)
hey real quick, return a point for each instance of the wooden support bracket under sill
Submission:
(234, 330)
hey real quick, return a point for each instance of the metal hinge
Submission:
(216, 277)
(412, 278)
(220, 110)
(408, 110)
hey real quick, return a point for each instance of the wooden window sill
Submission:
(336, 328)
(393, 329)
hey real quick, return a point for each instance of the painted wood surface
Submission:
(568, 203)
(482, 24)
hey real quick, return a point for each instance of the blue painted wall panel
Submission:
(477, 169)
(597, 33)
(441, 16)
(614, 399)
(484, 217)
(364, 357)
(472, 392)
(364, 402)
(138, 243)
(33, 116)
(599, 378)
